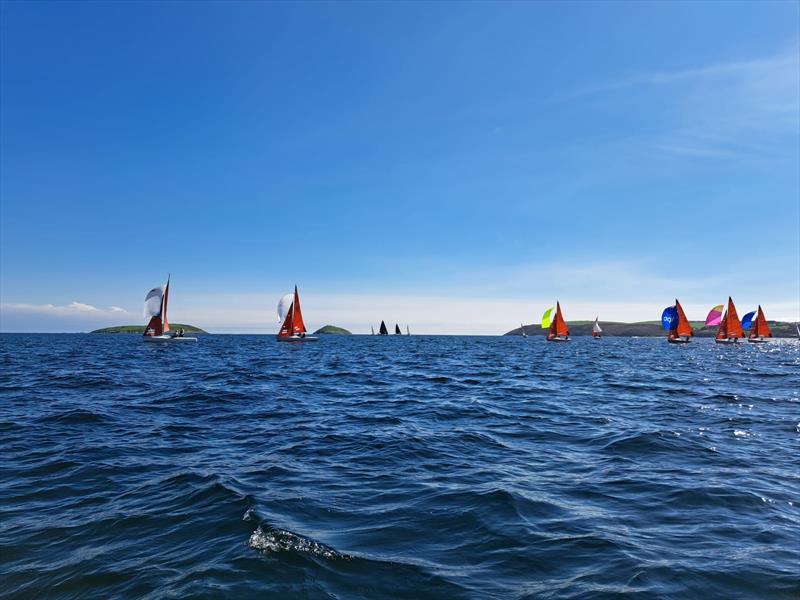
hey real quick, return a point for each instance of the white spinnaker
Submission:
(284, 304)
(596, 327)
(152, 302)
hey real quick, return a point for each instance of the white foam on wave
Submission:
(279, 540)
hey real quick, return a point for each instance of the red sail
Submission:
(722, 332)
(164, 308)
(154, 327)
(760, 327)
(734, 325)
(559, 325)
(684, 328)
(293, 324)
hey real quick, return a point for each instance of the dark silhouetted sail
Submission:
(383, 330)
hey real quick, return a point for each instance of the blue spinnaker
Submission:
(747, 320)
(669, 318)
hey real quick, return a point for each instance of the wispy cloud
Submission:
(73, 309)
(731, 110)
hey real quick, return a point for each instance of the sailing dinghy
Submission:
(596, 330)
(559, 332)
(155, 308)
(397, 329)
(522, 328)
(760, 329)
(730, 329)
(293, 328)
(383, 330)
(681, 330)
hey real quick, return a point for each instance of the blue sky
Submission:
(453, 166)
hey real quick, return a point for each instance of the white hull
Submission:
(758, 341)
(167, 338)
(297, 338)
(728, 341)
(558, 339)
(678, 340)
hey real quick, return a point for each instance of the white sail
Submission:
(284, 304)
(152, 302)
(596, 327)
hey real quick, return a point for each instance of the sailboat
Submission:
(397, 329)
(372, 329)
(383, 330)
(760, 329)
(155, 307)
(558, 327)
(408, 331)
(596, 331)
(522, 329)
(730, 329)
(293, 328)
(681, 330)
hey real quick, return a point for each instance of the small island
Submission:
(332, 329)
(140, 329)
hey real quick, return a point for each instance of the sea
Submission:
(398, 467)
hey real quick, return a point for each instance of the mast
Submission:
(165, 323)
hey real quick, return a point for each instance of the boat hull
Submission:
(297, 338)
(728, 341)
(158, 339)
(758, 341)
(679, 340)
(558, 339)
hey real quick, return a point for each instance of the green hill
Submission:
(140, 329)
(646, 329)
(331, 329)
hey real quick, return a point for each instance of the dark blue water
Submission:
(421, 467)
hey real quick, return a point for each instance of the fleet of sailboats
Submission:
(730, 329)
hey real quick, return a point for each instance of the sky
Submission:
(457, 167)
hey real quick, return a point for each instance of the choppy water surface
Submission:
(408, 467)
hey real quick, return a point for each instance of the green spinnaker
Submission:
(546, 317)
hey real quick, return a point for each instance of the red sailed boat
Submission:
(760, 329)
(558, 328)
(155, 307)
(730, 329)
(683, 331)
(293, 328)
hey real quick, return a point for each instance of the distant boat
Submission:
(383, 330)
(155, 307)
(558, 327)
(408, 331)
(760, 329)
(397, 329)
(372, 329)
(681, 329)
(730, 329)
(522, 328)
(797, 327)
(596, 331)
(293, 328)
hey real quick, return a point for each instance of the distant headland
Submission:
(140, 329)
(645, 329)
(333, 330)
